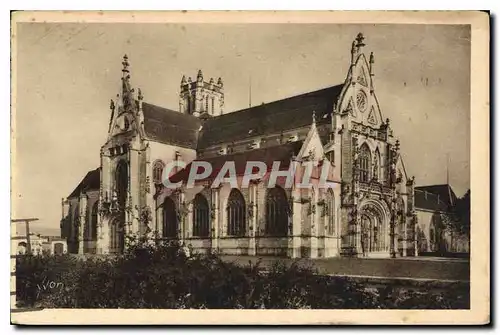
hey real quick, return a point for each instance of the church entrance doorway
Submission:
(373, 232)
(116, 236)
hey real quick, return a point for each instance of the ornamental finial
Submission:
(359, 40)
(125, 64)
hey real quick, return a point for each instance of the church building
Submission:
(371, 208)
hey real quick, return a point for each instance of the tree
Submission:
(458, 218)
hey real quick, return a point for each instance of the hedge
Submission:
(164, 277)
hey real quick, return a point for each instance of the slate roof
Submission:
(274, 117)
(282, 153)
(170, 127)
(435, 197)
(91, 181)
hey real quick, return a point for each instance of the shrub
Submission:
(164, 277)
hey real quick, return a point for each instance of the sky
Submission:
(68, 72)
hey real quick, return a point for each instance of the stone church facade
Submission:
(369, 210)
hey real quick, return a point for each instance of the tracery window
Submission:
(93, 225)
(158, 167)
(330, 203)
(376, 166)
(170, 220)
(117, 234)
(276, 212)
(364, 163)
(201, 219)
(236, 214)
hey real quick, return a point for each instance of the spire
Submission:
(372, 61)
(199, 77)
(125, 70)
(112, 107)
(183, 80)
(127, 91)
(140, 114)
(219, 82)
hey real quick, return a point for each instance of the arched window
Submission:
(121, 182)
(376, 166)
(93, 225)
(117, 237)
(170, 220)
(76, 223)
(201, 219)
(330, 203)
(365, 159)
(236, 214)
(158, 167)
(276, 212)
(75, 229)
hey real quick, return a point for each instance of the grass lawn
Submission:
(417, 268)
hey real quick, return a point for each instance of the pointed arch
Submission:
(236, 214)
(330, 212)
(201, 218)
(121, 182)
(93, 227)
(170, 219)
(75, 229)
(277, 212)
(117, 226)
(158, 167)
(365, 163)
(377, 164)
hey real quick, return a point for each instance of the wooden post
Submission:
(13, 289)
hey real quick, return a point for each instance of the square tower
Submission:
(201, 98)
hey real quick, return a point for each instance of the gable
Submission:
(91, 181)
(312, 145)
(358, 98)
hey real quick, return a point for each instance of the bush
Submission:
(164, 277)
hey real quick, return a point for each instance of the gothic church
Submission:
(373, 209)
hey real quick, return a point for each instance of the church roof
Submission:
(444, 191)
(91, 181)
(274, 117)
(170, 127)
(435, 197)
(282, 153)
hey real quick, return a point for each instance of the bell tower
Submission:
(201, 98)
